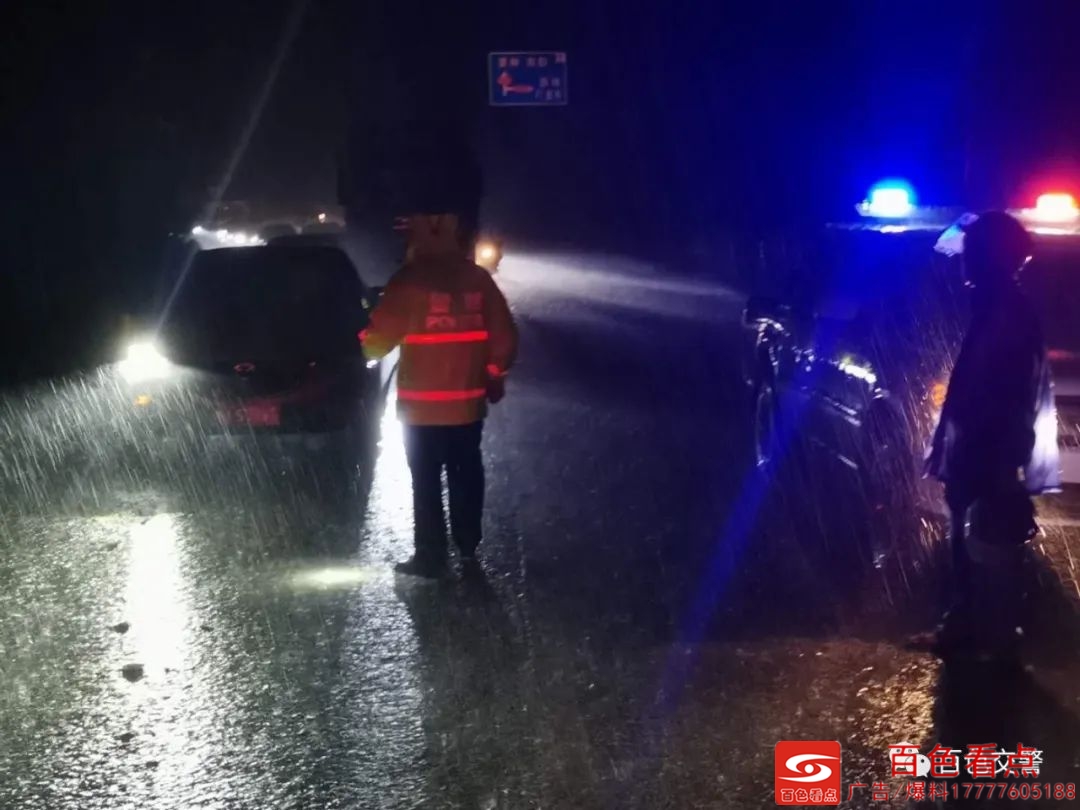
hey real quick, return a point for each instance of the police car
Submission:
(849, 364)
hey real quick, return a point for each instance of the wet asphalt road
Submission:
(220, 629)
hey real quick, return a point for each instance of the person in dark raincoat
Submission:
(995, 444)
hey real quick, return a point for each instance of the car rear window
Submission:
(267, 302)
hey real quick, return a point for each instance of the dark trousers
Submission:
(989, 561)
(960, 500)
(961, 565)
(456, 448)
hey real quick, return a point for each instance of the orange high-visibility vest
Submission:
(455, 331)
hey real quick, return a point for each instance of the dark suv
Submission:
(259, 340)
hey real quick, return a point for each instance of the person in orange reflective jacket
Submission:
(458, 340)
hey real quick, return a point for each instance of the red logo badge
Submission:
(807, 772)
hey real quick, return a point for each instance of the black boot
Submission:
(421, 567)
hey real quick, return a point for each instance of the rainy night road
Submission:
(223, 631)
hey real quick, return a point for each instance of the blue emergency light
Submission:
(889, 199)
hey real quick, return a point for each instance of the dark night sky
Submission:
(120, 118)
(763, 102)
(686, 117)
(151, 92)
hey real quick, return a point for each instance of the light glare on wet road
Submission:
(154, 603)
(343, 576)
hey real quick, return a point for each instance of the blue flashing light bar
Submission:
(889, 199)
(891, 207)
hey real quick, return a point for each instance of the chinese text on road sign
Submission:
(530, 79)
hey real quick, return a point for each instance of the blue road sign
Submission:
(527, 79)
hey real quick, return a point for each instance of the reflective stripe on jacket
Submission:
(455, 331)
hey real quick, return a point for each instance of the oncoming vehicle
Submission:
(849, 369)
(488, 254)
(487, 250)
(259, 340)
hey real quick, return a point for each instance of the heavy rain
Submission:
(706, 524)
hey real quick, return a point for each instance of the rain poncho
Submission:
(999, 414)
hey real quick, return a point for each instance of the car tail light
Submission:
(936, 395)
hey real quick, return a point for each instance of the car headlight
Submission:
(144, 361)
